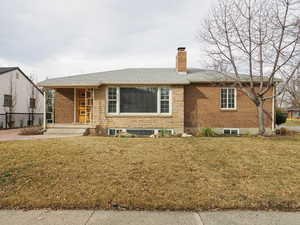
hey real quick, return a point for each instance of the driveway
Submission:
(12, 135)
(90, 217)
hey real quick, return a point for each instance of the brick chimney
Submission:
(181, 61)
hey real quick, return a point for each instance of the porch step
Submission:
(57, 131)
(69, 126)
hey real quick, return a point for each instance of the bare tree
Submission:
(256, 37)
(33, 100)
(291, 95)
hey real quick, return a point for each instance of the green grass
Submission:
(151, 174)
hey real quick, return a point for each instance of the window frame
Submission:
(235, 99)
(4, 102)
(156, 130)
(139, 113)
(32, 100)
(231, 129)
(117, 101)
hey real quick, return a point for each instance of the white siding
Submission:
(21, 91)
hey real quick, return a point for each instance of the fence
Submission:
(18, 120)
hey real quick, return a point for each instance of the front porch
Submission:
(72, 111)
(70, 106)
(72, 129)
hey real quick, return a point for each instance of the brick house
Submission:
(293, 113)
(147, 100)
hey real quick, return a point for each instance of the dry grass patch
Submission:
(175, 173)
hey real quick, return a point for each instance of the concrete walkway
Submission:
(86, 217)
(12, 135)
(295, 128)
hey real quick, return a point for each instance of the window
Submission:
(138, 100)
(32, 103)
(112, 132)
(164, 100)
(140, 132)
(228, 98)
(7, 101)
(112, 100)
(231, 131)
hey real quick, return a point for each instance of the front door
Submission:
(84, 105)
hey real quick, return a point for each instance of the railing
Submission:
(18, 120)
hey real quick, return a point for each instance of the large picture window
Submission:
(138, 100)
(228, 98)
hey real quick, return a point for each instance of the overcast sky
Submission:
(52, 38)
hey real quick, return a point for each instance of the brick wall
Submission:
(181, 63)
(64, 105)
(175, 120)
(202, 109)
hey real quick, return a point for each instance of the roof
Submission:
(294, 109)
(142, 76)
(9, 69)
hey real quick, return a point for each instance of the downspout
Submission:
(93, 111)
(75, 106)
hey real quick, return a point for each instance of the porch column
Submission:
(45, 110)
(93, 111)
(74, 121)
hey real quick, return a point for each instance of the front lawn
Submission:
(144, 173)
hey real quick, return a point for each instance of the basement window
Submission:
(231, 131)
(113, 131)
(140, 132)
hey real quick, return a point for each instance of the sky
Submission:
(54, 38)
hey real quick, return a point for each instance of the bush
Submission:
(280, 117)
(164, 133)
(208, 132)
(31, 131)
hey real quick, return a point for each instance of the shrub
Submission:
(31, 131)
(208, 132)
(164, 133)
(280, 117)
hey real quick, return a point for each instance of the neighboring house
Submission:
(294, 113)
(21, 101)
(148, 100)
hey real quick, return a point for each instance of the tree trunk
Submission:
(260, 116)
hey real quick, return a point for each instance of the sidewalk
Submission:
(89, 217)
(12, 135)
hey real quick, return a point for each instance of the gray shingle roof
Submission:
(7, 69)
(141, 76)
